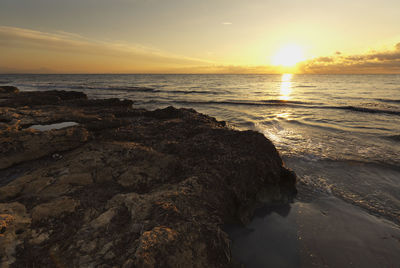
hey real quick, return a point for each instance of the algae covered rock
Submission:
(8, 90)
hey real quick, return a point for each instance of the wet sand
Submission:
(326, 232)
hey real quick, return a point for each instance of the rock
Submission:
(14, 228)
(37, 98)
(76, 179)
(57, 156)
(54, 208)
(8, 90)
(38, 238)
(126, 187)
(104, 219)
(24, 145)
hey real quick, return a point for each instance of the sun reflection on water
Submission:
(286, 87)
(285, 115)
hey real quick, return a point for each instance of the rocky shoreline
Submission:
(125, 187)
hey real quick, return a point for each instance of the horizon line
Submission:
(396, 73)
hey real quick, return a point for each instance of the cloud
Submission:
(227, 23)
(25, 49)
(374, 62)
(324, 59)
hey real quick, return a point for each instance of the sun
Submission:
(288, 56)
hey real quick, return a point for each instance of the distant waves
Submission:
(122, 88)
(292, 104)
(389, 100)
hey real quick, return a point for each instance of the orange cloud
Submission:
(374, 62)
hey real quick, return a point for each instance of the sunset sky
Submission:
(207, 36)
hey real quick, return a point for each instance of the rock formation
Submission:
(125, 187)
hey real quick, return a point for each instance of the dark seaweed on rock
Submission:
(126, 187)
(39, 98)
(8, 90)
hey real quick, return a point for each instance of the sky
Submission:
(199, 36)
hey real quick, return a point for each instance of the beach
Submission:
(323, 232)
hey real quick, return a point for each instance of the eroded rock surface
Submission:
(126, 187)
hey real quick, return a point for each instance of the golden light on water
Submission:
(285, 115)
(286, 87)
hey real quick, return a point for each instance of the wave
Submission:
(146, 89)
(284, 102)
(137, 89)
(317, 125)
(300, 86)
(81, 87)
(297, 104)
(388, 100)
(246, 103)
(131, 88)
(192, 92)
(365, 110)
(4, 82)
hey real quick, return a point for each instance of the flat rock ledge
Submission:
(125, 187)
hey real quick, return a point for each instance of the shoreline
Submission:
(124, 186)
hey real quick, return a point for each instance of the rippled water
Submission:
(340, 133)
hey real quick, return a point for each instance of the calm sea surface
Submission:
(340, 133)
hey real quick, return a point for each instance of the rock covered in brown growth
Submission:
(126, 187)
(37, 98)
(8, 90)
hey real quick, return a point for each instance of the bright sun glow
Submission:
(288, 56)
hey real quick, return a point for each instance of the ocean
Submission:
(339, 133)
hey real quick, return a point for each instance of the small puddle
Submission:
(53, 126)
